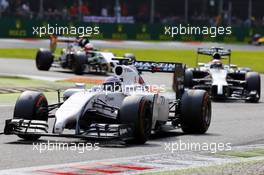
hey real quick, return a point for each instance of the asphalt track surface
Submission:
(237, 123)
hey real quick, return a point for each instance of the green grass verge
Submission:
(245, 154)
(7, 81)
(13, 82)
(243, 167)
(254, 60)
(20, 53)
(10, 99)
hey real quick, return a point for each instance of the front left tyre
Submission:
(31, 105)
(253, 84)
(44, 59)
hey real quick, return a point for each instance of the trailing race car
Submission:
(223, 81)
(257, 40)
(79, 56)
(122, 108)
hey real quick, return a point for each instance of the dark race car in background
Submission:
(79, 56)
(223, 81)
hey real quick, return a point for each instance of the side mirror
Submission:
(80, 85)
(201, 64)
(233, 66)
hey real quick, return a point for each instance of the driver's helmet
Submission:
(88, 47)
(112, 83)
(83, 42)
(216, 64)
(130, 56)
(216, 56)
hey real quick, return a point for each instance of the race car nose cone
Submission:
(118, 70)
(58, 128)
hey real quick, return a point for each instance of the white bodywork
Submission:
(79, 100)
(108, 56)
(219, 79)
(99, 56)
(218, 75)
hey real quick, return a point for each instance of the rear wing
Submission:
(178, 70)
(148, 66)
(210, 51)
(54, 40)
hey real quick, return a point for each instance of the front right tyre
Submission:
(137, 111)
(44, 59)
(253, 84)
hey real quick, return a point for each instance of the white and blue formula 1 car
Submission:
(223, 81)
(122, 108)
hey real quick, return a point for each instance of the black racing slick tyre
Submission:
(195, 111)
(188, 79)
(137, 111)
(31, 105)
(79, 63)
(253, 83)
(44, 59)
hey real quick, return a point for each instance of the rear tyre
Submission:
(31, 105)
(253, 83)
(78, 65)
(195, 111)
(44, 59)
(188, 79)
(136, 110)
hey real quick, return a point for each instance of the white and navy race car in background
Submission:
(223, 81)
(78, 56)
(122, 108)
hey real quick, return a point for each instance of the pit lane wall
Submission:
(23, 28)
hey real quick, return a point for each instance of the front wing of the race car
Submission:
(228, 92)
(96, 131)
